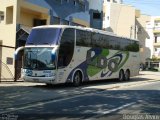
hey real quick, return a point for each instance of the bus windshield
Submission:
(38, 59)
(41, 36)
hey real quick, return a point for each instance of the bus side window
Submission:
(66, 47)
(83, 38)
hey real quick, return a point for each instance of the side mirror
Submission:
(17, 51)
(53, 54)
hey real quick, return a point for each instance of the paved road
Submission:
(97, 100)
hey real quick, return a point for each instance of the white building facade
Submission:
(153, 29)
(119, 18)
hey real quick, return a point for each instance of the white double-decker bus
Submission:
(61, 54)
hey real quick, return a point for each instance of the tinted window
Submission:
(117, 43)
(83, 38)
(111, 42)
(93, 39)
(44, 36)
(106, 41)
(132, 46)
(66, 47)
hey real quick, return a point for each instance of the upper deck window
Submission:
(42, 36)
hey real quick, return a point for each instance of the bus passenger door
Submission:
(61, 71)
(65, 54)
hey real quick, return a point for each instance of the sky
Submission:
(148, 7)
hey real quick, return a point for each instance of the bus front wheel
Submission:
(121, 75)
(77, 79)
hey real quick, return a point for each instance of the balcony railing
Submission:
(156, 31)
(157, 19)
(156, 44)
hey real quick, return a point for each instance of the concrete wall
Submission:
(120, 19)
(144, 37)
(123, 20)
(155, 24)
(8, 36)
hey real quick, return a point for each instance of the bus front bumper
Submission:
(47, 80)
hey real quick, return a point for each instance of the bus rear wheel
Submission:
(127, 75)
(121, 75)
(77, 79)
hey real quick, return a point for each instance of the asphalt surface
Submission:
(108, 99)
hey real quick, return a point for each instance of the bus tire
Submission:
(77, 79)
(127, 75)
(121, 75)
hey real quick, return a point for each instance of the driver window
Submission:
(66, 47)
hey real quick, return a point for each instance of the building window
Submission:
(74, 2)
(108, 17)
(1, 16)
(39, 22)
(9, 61)
(96, 15)
(156, 24)
(9, 15)
(155, 49)
(155, 39)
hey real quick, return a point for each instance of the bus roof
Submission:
(81, 28)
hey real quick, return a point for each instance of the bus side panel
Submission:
(134, 63)
(97, 63)
(107, 64)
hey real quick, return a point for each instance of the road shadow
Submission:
(90, 83)
(18, 96)
(88, 106)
